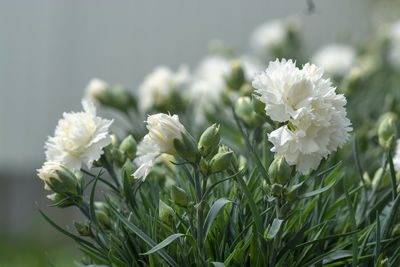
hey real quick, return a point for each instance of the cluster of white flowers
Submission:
(315, 115)
(160, 84)
(394, 49)
(163, 129)
(79, 138)
(335, 59)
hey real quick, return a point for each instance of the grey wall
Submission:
(49, 49)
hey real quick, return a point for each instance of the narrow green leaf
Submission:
(317, 192)
(163, 243)
(276, 225)
(378, 236)
(353, 225)
(115, 261)
(390, 220)
(142, 235)
(392, 176)
(218, 264)
(212, 214)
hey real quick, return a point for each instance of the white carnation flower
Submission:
(335, 59)
(160, 84)
(95, 89)
(396, 158)
(47, 171)
(315, 115)
(163, 129)
(79, 137)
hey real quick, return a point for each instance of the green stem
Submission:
(392, 176)
(198, 190)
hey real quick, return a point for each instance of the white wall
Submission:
(49, 49)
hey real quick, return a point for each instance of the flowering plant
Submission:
(252, 167)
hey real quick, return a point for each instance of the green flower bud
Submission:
(179, 196)
(221, 161)
(204, 167)
(242, 162)
(387, 132)
(385, 182)
(245, 111)
(165, 212)
(59, 179)
(82, 228)
(60, 200)
(246, 89)
(103, 218)
(186, 147)
(209, 140)
(279, 171)
(127, 170)
(236, 77)
(290, 193)
(114, 141)
(117, 97)
(128, 146)
(276, 190)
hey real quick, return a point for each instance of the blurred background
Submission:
(50, 49)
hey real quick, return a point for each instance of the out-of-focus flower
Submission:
(79, 137)
(160, 86)
(208, 82)
(269, 38)
(316, 118)
(394, 44)
(163, 130)
(335, 59)
(95, 90)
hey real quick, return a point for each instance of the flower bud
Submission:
(221, 161)
(204, 167)
(165, 212)
(179, 196)
(246, 89)
(186, 147)
(276, 190)
(59, 179)
(387, 132)
(128, 146)
(82, 228)
(236, 77)
(103, 218)
(209, 140)
(258, 106)
(242, 162)
(127, 170)
(60, 200)
(244, 110)
(279, 171)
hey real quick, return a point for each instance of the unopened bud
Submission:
(186, 147)
(209, 140)
(276, 189)
(245, 111)
(82, 228)
(387, 132)
(59, 179)
(279, 171)
(236, 78)
(165, 212)
(103, 218)
(60, 200)
(127, 170)
(179, 196)
(221, 161)
(128, 146)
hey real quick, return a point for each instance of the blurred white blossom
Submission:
(95, 90)
(335, 59)
(394, 44)
(79, 137)
(160, 85)
(315, 115)
(208, 82)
